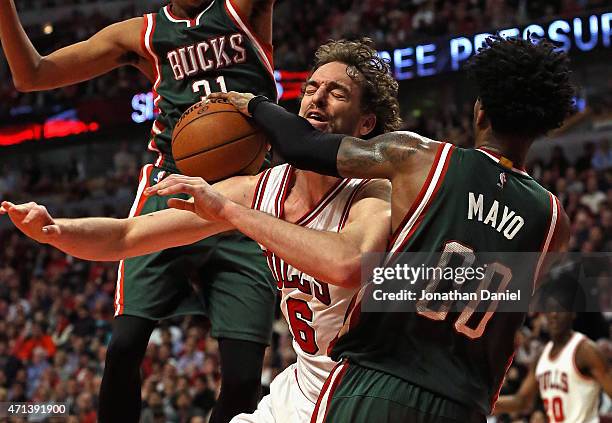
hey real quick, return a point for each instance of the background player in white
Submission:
(329, 223)
(571, 371)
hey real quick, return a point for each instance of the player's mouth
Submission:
(317, 119)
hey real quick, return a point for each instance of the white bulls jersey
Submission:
(313, 309)
(568, 396)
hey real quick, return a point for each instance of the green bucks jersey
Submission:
(215, 52)
(472, 201)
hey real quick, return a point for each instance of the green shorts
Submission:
(225, 277)
(357, 394)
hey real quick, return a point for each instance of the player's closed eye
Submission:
(339, 94)
(309, 88)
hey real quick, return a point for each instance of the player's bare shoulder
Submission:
(405, 145)
(588, 356)
(127, 34)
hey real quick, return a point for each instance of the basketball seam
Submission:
(193, 120)
(263, 146)
(219, 146)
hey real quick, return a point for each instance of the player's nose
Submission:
(320, 96)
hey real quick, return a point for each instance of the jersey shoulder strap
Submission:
(427, 193)
(573, 343)
(271, 190)
(264, 49)
(544, 356)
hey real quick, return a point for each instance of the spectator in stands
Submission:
(124, 162)
(184, 408)
(558, 160)
(38, 365)
(9, 364)
(85, 408)
(26, 345)
(191, 359)
(593, 198)
(153, 409)
(584, 161)
(602, 159)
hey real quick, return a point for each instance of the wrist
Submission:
(256, 101)
(231, 212)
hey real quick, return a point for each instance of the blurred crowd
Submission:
(74, 180)
(298, 31)
(55, 323)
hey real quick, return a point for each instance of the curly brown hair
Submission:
(372, 73)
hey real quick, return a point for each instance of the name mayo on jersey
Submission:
(215, 53)
(505, 221)
(553, 380)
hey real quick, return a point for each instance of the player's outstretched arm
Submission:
(329, 256)
(107, 239)
(113, 46)
(523, 400)
(385, 156)
(589, 357)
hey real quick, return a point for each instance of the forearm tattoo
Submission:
(379, 155)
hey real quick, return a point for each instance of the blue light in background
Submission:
(144, 108)
(460, 50)
(423, 58)
(593, 29)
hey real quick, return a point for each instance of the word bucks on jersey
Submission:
(215, 52)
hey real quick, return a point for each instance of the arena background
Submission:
(78, 150)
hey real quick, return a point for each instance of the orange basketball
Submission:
(214, 141)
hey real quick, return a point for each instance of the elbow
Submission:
(28, 83)
(347, 272)
(24, 86)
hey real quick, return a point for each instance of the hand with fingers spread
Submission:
(239, 100)
(32, 219)
(206, 203)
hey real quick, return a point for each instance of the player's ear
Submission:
(482, 120)
(368, 123)
(480, 117)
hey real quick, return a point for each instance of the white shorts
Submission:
(285, 404)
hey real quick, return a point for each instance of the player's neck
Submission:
(562, 340)
(313, 185)
(514, 149)
(187, 12)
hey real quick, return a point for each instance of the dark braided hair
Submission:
(524, 85)
(372, 73)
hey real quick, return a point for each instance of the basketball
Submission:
(213, 140)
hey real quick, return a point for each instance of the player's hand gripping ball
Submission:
(214, 141)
